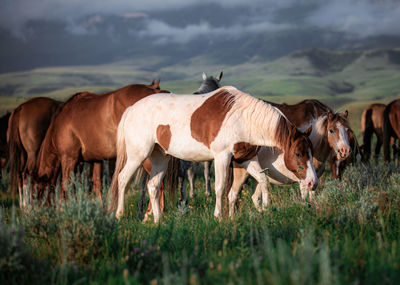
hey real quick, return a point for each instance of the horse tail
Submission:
(16, 151)
(228, 186)
(119, 165)
(367, 128)
(171, 176)
(387, 132)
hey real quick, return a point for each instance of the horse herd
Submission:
(144, 126)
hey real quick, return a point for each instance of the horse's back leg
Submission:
(159, 162)
(191, 176)
(239, 177)
(97, 175)
(207, 177)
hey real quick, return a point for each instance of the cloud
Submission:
(358, 18)
(167, 33)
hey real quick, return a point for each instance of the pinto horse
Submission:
(27, 128)
(372, 123)
(391, 128)
(3, 141)
(329, 132)
(85, 130)
(219, 125)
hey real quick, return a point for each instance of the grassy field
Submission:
(350, 234)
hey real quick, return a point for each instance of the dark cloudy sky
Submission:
(24, 24)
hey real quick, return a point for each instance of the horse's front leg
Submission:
(221, 164)
(254, 169)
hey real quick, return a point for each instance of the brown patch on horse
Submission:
(164, 136)
(243, 151)
(207, 120)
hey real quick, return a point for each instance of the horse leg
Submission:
(221, 165)
(183, 169)
(254, 169)
(191, 175)
(378, 146)
(239, 177)
(207, 177)
(68, 165)
(159, 162)
(97, 174)
(147, 167)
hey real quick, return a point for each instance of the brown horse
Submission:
(372, 123)
(3, 141)
(391, 127)
(27, 127)
(338, 166)
(85, 130)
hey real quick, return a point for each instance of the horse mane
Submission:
(319, 129)
(208, 85)
(261, 115)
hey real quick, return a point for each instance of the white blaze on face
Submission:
(343, 137)
(311, 175)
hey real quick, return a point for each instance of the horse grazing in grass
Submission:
(372, 123)
(3, 140)
(329, 133)
(220, 125)
(391, 128)
(27, 128)
(85, 130)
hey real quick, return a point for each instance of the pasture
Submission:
(348, 234)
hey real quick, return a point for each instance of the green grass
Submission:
(349, 234)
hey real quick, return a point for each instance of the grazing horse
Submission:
(27, 128)
(391, 128)
(329, 132)
(85, 130)
(3, 141)
(220, 125)
(372, 123)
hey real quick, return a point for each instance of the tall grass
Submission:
(348, 234)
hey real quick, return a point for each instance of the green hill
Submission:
(335, 77)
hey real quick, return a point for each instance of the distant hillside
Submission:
(335, 77)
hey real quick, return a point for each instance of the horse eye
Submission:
(331, 131)
(298, 154)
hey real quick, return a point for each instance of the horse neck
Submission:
(47, 163)
(319, 140)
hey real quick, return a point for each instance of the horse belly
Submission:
(273, 160)
(191, 151)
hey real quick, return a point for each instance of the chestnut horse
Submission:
(391, 128)
(3, 141)
(372, 123)
(85, 130)
(27, 127)
(329, 133)
(219, 125)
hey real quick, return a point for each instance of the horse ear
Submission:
(157, 84)
(330, 115)
(308, 131)
(293, 132)
(204, 76)
(345, 114)
(220, 75)
(152, 83)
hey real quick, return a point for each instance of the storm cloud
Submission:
(355, 17)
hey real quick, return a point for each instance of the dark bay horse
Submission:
(219, 125)
(27, 128)
(85, 130)
(3, 141)
(391, 128)
(372, 123)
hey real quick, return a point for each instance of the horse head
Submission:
(209, 83)
(298, 158)
(338, 134)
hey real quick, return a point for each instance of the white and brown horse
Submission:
(220, 125)
(329, 133)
